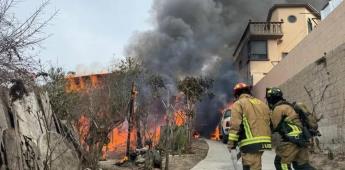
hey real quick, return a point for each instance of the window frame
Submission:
(284, 54)
(250, 51)
(290, 17)
(310, 25)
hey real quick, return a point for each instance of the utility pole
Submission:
(129, 117)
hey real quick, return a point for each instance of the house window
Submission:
(310, 26)
(292, 19)
(284, 55)
(258, 50)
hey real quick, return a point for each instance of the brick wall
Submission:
(321, 85)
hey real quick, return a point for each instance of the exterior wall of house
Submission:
(294, 33)
(328, 35)
(258, 69)
(241, 64)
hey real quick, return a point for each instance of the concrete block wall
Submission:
(321, 85)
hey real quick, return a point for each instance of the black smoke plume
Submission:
(197, 37)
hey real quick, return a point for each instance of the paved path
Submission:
(219, 158)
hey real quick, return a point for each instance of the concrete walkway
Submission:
(219, 158)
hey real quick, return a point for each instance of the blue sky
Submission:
(88, 34)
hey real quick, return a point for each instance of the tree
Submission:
(93, 112)
(16, 39)
(63, 102)
(96, 111)
(107, 105)
(194, 88)
(103, 116)
(149, 103)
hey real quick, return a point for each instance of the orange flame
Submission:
(116, 148)
(196, 135)
(216, 134)
(83, 128)
(81, 83)
(180, 118)
(118, 139)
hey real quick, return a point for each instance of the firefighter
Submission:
(293, 147)
(250, 127)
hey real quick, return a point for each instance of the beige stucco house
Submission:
(264, 44)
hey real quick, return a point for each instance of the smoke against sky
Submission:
(87, 34)
(197, 38)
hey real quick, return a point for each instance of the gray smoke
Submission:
(197, 37)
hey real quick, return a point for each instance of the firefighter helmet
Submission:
(273, 95)
(240, 88)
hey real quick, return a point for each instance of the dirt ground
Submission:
(322, 162)
(188, 161)
(177, 162)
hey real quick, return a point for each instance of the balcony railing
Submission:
(266, 29)
(260, 31)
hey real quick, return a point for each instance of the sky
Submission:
(87, 35)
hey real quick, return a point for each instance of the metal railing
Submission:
(265, 28)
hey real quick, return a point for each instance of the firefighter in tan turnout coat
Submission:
(250, 127)
(293, 147)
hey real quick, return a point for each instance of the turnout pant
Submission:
(289, 153)
(251, 161)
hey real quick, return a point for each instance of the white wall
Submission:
(330, 8)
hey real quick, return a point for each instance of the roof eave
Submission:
(307, 6)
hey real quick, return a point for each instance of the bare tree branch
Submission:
(17, 39)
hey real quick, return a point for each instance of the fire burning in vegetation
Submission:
(180, 118)
(116, 148)
(118, 139)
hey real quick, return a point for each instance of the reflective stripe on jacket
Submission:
(250, 124)
(286, 113)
